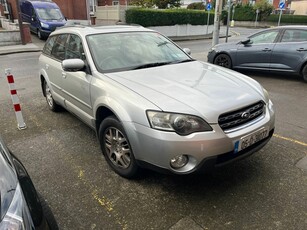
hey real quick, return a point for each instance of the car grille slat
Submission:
(242, 116)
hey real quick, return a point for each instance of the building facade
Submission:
(72, 9)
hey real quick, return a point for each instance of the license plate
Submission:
(250, 139)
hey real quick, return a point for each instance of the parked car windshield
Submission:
(133, 50)
(49, 13)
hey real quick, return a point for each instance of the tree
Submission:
(164, 4)
(142, 3)
(265, 9)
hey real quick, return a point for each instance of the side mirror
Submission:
(73, 65)
(246, 41)
(33, 19)
(187, 51)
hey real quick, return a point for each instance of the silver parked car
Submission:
(150, 103)
(280, 49)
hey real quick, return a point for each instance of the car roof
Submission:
(87, 30)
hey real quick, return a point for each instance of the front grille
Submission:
(242, 116)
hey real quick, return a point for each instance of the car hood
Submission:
(8, 181)
(226, 46)
(192, 88)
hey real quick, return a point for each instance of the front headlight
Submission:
(44, 25)
(182, 124)
(212, 48)
(17, 216)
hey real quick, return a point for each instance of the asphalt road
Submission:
(62, 155)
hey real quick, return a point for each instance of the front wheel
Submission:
(51, 222)
(40, 35)
(52, 105)
(223, 60)
(304, 73)
(116, 148)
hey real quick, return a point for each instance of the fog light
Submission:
(179, 161)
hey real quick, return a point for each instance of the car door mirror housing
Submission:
(73, 65)
(246, 41)
(187, 51)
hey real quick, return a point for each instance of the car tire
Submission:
(223, 60)
(52, 105)
(116, 148)
(40, 35)
(304, 73)
(52, 224)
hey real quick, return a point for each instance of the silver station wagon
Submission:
(151, 104)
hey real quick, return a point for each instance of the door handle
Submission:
(301, 49)
(63, 74)
(47, 66)
(266, 49)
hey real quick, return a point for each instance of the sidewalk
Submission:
(30, 47)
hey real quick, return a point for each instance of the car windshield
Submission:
(49, 13)
(133, 50)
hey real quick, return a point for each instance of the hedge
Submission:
(289, 18)
(167, 17)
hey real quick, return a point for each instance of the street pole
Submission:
(22, 35)
(215, 37)
(228, 19)
(257, 12)
(279, 16)
(208, 21)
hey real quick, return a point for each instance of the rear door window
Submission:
(294, 35)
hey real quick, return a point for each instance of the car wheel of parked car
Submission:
(52, 224)
(39, 35)
(116, 148)
(223, 60)
(304, 73)
(52, 105)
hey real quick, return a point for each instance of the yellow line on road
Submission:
(290, 139)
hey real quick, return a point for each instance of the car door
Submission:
(54, 54)
(76, 84)
(291, 51)
(256, 54)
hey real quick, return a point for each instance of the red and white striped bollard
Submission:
(15, 99)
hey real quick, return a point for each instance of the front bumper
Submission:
(157, 148)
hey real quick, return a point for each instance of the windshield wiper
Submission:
(148, 65)
(162, 43)
(182, 61)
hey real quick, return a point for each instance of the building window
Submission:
(115, 3)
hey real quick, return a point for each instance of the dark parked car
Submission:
(21, 207)
(280, 49)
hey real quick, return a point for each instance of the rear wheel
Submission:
(116, 148)
(304, 73)
(223, 60)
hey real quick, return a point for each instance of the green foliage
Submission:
(164, 4)
(142, 3)
(265, 9)
(288, 19)
(196, 6)
(168, 17)
(243, 13)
